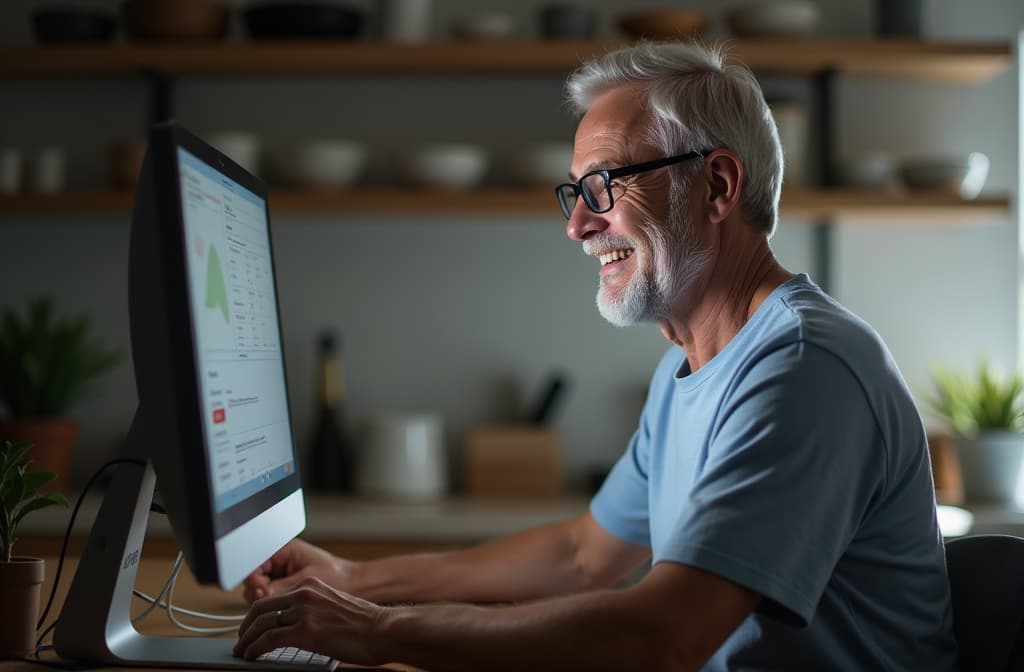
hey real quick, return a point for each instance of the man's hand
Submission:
(315, 617)
(293, 563)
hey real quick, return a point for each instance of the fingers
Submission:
(264, 609)
(265, 632)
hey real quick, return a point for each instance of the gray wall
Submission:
(462, 315)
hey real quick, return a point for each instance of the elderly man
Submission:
(778, 483)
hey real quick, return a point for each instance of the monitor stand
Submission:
(95, 623)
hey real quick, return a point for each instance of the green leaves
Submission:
(19, 493)
(972, 404)
(46, 362)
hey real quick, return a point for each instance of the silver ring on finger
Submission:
(278, 622)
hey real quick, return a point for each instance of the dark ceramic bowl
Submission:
(280, 20)
(67, 24)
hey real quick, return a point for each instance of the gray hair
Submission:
(699, 101)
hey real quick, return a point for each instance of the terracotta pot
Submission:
(53, 442)
(20, 581)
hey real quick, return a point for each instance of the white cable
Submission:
(171, 608)
(188, 612)
(155, 601)
(191, 628)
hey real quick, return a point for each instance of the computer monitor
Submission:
(212, 425)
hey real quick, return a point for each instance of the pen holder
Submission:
(513, 461)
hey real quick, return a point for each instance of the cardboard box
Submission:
(514, 461)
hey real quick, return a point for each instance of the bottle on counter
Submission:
(331, 452)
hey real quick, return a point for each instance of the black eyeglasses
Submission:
(596, 186)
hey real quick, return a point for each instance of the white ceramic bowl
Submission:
(961, 175)
(545, 164)
(774, 18)
(245, 149)
(323, 164)
(447, 166)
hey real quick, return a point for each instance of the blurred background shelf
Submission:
(953, 62)
(832, 203)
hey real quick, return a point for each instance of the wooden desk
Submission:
(153, 572)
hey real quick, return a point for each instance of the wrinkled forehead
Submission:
(613, 131)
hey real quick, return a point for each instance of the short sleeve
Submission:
(793, 462)
(621, 505)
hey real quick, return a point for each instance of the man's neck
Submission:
(738, 282)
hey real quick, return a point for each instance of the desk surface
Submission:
(153, 572)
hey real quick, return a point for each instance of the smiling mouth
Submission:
(614, 255)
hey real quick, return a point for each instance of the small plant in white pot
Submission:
(20, 577)
(986, 413)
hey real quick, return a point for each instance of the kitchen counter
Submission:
(453, 520)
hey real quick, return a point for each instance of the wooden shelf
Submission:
(954, 62)
(490, 203)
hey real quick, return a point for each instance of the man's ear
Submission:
(724, 173)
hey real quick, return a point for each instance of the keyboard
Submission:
(287, 656)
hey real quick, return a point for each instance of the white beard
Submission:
(676, 260)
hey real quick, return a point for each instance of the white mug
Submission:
(11, 169)
(403, 457)
(48, 169)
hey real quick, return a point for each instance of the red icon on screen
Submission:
(218, 416)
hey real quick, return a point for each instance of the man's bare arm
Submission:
(551, 560)
(674, 619)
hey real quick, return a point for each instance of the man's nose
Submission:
(584, 222)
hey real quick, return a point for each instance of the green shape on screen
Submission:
(216, 292)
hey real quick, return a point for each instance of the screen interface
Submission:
(238, 350)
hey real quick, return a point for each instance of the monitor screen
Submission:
(239, 365)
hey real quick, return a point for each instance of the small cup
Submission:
(11, 170)
(48, 170)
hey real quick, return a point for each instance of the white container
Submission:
(447, 166)
(403, 457)
(11, 170)
(47, 171)
(405, 20)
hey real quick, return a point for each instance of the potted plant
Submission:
(20, 577)
(986, 414)
(46, 364)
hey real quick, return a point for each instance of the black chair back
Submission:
(986, 575)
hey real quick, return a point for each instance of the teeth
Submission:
(614, 255)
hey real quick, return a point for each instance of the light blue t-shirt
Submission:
(794, 463)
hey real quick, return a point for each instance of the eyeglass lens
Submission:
(595, 190)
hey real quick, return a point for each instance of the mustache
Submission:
(595, 246)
